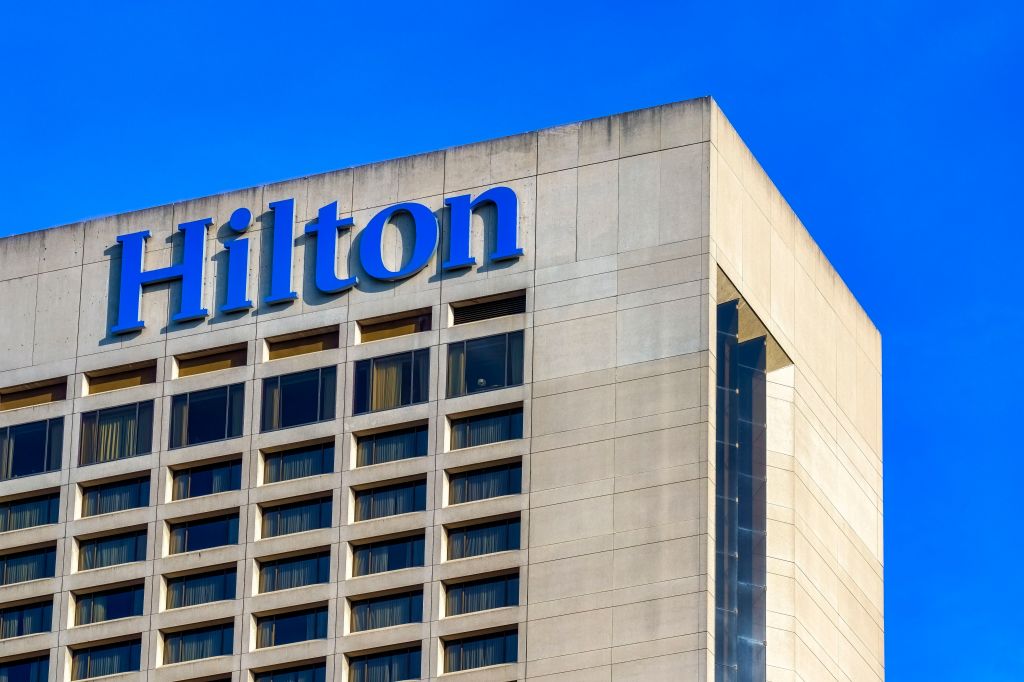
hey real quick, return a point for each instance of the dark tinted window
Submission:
(400, 664)
(296, 517)
(481, 484)
(106, 659)
(116, 433)
(305, 673)
(485, 364)
(190, 536)
(29, 511)
(122, 602)
(200, 588)
(21, 567)
(191, 645)
(288, 628)
(391, 446)
(299, 398)
(483, 538)
(481, 595)
(490, 427)
(116, 496)
(35, 669)
(485, 310)
(26, 619)
(481, 651)
(297, 571)
(205, 416)
(111, 550)
(387, 611)
(391, 381)
(29, 449)
(387, 555)
(391, 500)
(286, 465)
(207, 479)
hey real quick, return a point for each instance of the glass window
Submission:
(106, 659)
(111, 550)
(288, 628)
(296, 517)
(122, 602)
(206, 416)
(410, 323)
(191, 645)
(402, 664)
(296, 571)
(24, 566)
(311, 460)
(490, 427)
(391, 381)
(115, 496)
(116, 433)
(305, 673)
(485, 364)
(480, 651)
(481, 595)
(387, 611)
(35, 669)
(391, 500)
(387, 555)
(200, 588)
(481, 484)
(189, 536)
(27, 619)
(29, 449)
(483, 538)
(207, 479)
(299, 398)
(390, 446)
(29, 511)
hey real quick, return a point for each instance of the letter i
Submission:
(238, 264)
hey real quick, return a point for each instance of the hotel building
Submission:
(580, 404)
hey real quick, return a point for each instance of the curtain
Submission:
(110, 551)
(388, 556)
(295, 518)
(288, 573)
(27, 513)
(477, 652)
(482, 595)
(387, 376)
(386, 612)
(391, 500)
(483, 539)
(179, 420)
(456, 369)
(26, 620)
(33, 670)
(483, 484)
(486, 428)
(389, 447)
(191, 646)
(200, 589)
(110, 434)
(18, 568)
(271, 403)
(105, 660)
(285, 466)
(313, 673)
(387, 667)
(115, 497)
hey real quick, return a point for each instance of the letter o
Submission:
(425, 242)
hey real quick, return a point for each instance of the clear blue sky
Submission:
(894, 129)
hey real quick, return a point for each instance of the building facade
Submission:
(580, 404)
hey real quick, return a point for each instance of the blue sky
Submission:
(894, 129)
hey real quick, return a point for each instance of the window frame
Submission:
(363, 372)
(458, 385)
(53, 448)
(146, 444)
(135, 588)
(235, 391)
(187, 524)
(326, 403)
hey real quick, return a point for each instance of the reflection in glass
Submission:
(29, 449)
(299, 398)
(206, 416)
(485, 364)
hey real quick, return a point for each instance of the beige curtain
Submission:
(387, 383)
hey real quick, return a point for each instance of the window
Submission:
(481, 595)
(106, 659)
(24, 566)
(29, 511)
(391, 500)
(298, 398)
(305, 673)
(191, 645)
(387, 611)
(490, 427)
(387, 555)
(207, 479)
(498, 306)
(296, 517)
(409, 323)
(116, 433)
(206, 416)
(401, 664)
(27, 619)
(120, 377)
(391, 381)
(96, 607)
(391, 446)
(200, 588)
(38, 393)
(28, 449)
(288, 628)
(480, 651)
(189, 536)
(306, 342)
(311, 460)
(26, 670)
(485, 364)
(225, 357)
(111, 550)
(296, 571)
(483, 538)
(481, 484)
(115, 496)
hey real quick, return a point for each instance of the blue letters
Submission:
(238, 264)
(189, 271)
(462, 207)
(425, 238)
(326, 229)
(281, 261)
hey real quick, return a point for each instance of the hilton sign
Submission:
(326, 228)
